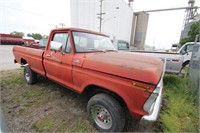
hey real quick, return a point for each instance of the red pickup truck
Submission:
(86, 62)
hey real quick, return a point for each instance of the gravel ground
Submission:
(48, 107)
(7, 58)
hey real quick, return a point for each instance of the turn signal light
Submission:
(141, 85)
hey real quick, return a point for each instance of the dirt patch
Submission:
(48, 107)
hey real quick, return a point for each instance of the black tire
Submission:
(29, 75)
(106, 113)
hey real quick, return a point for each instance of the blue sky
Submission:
(40, 16)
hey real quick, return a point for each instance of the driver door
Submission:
(58, 64)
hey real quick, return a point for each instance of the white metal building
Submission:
(116, 22)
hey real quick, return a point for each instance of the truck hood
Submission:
(131, 66)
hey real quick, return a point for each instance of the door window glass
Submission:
(61, 38)
(189, 48)
(64, 39)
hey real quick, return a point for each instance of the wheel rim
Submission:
(101, 117)
(27, 74)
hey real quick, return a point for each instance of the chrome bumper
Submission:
(155, 107)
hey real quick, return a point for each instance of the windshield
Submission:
(87, 42)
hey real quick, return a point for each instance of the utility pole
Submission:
(100, 15)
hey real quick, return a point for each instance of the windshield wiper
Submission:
(101, 50)
(111, 50)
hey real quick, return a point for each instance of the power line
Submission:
(24, 11)
(169, 9)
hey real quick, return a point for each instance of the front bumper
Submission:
(155, 107)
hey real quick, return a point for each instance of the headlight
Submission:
(148, 106)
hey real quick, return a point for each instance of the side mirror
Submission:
(56, 46)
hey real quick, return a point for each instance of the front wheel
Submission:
(29, 75)
(106, 113)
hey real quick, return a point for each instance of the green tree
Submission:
(36, 36)
(194, 30)
(17, 33)
(45, 37)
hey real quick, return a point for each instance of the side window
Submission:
(64, 39)
(189, 48)
(183, 51)
(61, 38)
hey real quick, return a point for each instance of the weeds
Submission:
(50, 123)
(33, 93)
(180, 114)
(44, 125)
(12, 78)
(82, 126)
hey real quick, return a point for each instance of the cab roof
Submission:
(79, 29)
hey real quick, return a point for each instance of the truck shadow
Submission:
(78, 104)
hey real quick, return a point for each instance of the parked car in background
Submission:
(120, 44)
(42, 42)
(186, 51)
(174, 47)
(7, 39)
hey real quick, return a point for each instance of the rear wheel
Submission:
(29, 75)
(106, 113)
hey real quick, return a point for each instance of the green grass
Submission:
(13, 80)
(35, 92)
(44, 125)
(180, 114)
(82, 125)
(51, 124)
(22, 94)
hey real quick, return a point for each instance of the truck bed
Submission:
(35, 46)
(156, 52)
(32, 55)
